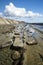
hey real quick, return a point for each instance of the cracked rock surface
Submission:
(20, 45)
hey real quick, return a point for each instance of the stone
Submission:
(31, 41)
(5, 40)
(15, 55)
(18, 42)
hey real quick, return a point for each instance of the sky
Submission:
(30, 11)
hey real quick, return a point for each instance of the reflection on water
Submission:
(40, 27)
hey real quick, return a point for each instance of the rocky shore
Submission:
(20, 44)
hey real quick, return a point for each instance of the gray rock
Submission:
(31, 41)
(18, 42)
(15, 55)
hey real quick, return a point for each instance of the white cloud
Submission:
(32, 14)
(1, 14)
(12, 10)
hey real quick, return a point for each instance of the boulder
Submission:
(15, 55)
(18, 42)
(31, 41)
(5, 40)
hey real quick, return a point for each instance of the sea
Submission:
(40, 27)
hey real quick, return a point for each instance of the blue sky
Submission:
(26, 10)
